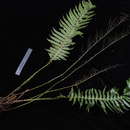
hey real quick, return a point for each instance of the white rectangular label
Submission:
(23, 62)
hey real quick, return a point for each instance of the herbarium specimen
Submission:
(62, 43)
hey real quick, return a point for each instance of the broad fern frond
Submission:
(70, 26)
(107, 100)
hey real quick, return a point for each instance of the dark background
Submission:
(26, 24)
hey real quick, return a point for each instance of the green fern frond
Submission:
(107, 100)
(127, 89)
(70, 26)
(128, 83)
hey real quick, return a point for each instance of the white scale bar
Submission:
(23, 62)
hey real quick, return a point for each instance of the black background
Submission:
(26, 24)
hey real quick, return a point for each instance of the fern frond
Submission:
(70, 26)
(127, 89)
(107, 100)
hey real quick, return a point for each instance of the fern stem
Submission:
(82, 81)
(79, 82)
(31, 77)
(36, 99)
(40, 99)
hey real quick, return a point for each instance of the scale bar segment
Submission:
(23, 62)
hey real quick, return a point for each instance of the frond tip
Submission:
(107, 100)
(70, 26)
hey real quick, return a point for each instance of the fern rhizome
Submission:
(61, 41)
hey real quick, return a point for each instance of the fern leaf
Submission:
(107, 100)
(70, 26)
(127, 89)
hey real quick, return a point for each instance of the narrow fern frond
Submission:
(70, 26)
(107, 100)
